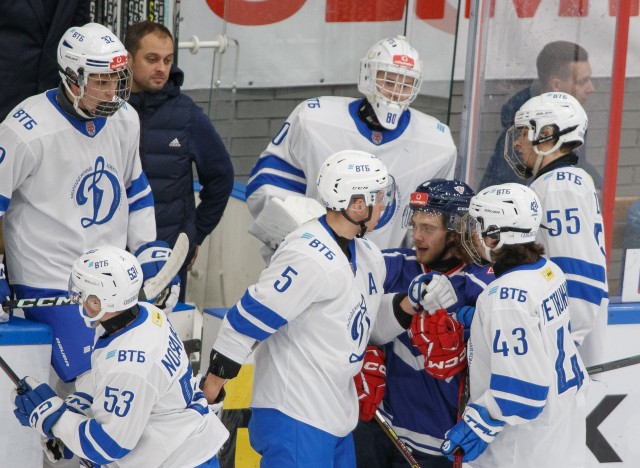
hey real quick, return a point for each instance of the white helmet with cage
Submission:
(561, 112)
(88, 50)
(390, 78)
(351, 174)
(508, 213)
(111, 274)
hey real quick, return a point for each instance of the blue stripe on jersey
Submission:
(138, 186)
(277, 181)
(514, 408)
(94, 432)
(274, 162)
(503, 383)
(575, 266)
(244, 326)
(266, 315)
(89, 128)
(4, 204)
(586, 292)
(141, 203)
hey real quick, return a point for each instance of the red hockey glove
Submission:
(370, 382)
(439, 337)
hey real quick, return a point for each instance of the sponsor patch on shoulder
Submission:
(156, 318)
(547, 274)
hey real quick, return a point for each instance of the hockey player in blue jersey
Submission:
(140, 405)
(313, 311)
(70, 179)
(413, 146)
(419, 406)
(542, 143)
(527, 381)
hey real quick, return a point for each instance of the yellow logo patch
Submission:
(547, 274)
(156, 318)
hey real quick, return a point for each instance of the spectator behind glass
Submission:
(28, 66)
(175, 133)
(562, 66)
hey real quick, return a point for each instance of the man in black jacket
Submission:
(174, 134)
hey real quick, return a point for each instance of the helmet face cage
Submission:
(110, 274)
(450, 198)
(351, 174)
(93, 59)
(390, 78)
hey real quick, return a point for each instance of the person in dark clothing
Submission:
(562, 66)
(174, 134)
(32, 30)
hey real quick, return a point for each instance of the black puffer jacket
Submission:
(175, 133)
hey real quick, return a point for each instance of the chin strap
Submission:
(361, 223)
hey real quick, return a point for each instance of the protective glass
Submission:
(514, 140)
(471, 231)
(386, 196)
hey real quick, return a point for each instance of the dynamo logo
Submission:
(99, 189)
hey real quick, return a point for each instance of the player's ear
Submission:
(357, 205)
(554, 84)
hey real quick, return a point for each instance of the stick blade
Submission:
(169, 270)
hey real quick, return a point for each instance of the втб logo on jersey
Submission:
(360, 326)
(99, 186)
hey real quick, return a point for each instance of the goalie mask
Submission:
(552, 116)
(390, 78)
(111, 274)
(450, 198)
(508, 213)
(94, 60)
(351, 174)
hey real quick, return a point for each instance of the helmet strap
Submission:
(361, 223)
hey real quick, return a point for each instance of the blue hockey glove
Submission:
(475, 431)
(5, 292)
(152, 257)
(464, 315)
(417, 289)
(39, 408)
(79, 403)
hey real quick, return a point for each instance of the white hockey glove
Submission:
(152, 257)
(39, 407)
(475, 431)
(430, 292)
(5, 292)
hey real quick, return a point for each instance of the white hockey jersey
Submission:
(525, 369)
(313, 311)
(574, 240)
(67, 185)
(419, 149)
(145, 411)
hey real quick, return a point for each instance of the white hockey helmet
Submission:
(509, 213)
(351, 174)
(88, 50)
(390, 78)
(560, 111)
(111, 274)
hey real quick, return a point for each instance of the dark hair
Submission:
(137, 31)
(554, 58)
(512, 255)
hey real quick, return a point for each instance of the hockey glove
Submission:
(39, 408)
(439, 338)
(370, 382)
(55, 450)
(431, 291)
(464, 315)
(79, 403)
(5, 292)
(152, 257)
(472, 434)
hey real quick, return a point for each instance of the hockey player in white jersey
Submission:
(527, 380)
(542, 143)
(312, 311)
(140, 406)
(413, 146)
(70, 179)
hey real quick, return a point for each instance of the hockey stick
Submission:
(612, 365)
(23, 388)
(153, 287)
(463, 398)
(404, 450)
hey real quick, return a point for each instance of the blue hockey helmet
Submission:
(450, 198)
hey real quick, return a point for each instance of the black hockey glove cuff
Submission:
(222, 366)
(402, 317)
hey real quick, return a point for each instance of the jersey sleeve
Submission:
(120, 414)
(142, 222)
(278, 172)
(519, 378)
(17, 161)
(284, 290)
